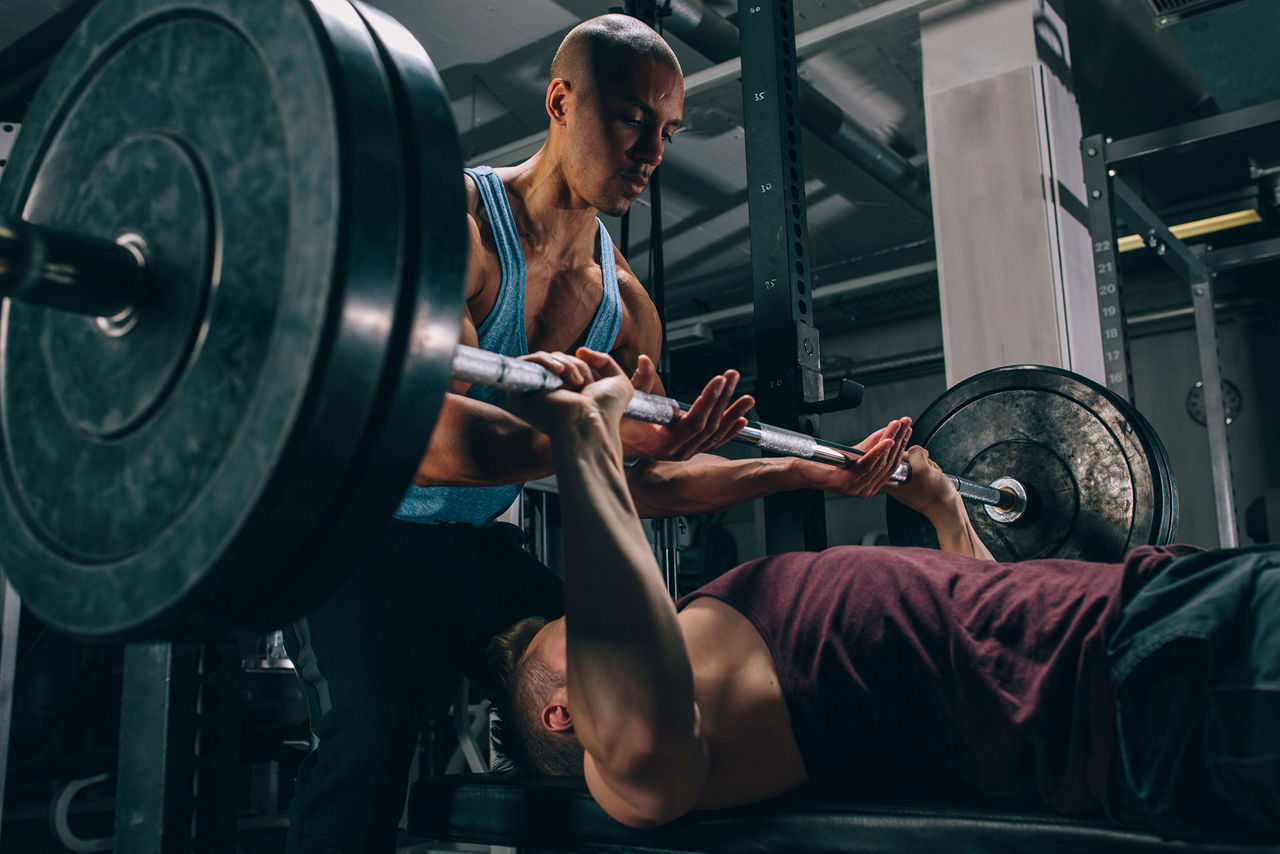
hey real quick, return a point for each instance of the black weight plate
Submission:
(1097, 477)
(1167, 503)
(428, 316)
(172, 480)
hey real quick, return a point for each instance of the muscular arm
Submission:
(629, 677)
(475, 443)
(707, 483)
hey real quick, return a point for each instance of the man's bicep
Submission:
(642, 328)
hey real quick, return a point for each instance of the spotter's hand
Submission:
(712, 419)
(865, 475)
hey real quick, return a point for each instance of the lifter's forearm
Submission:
(956, 532)
(478, 444)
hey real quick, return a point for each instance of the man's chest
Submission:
(560, 306)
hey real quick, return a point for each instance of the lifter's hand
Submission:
(932, 493)
(929, 492)
(595, 387)
(864, 475)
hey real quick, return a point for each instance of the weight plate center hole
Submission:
(121, 322)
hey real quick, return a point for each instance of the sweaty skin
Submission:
(674, 711)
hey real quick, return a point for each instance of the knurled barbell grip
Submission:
(498, 371)
(70, 272)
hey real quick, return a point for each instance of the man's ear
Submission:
(558, 91)
(556, 717)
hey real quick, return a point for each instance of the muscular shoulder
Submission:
(484, 270)
(641, 330)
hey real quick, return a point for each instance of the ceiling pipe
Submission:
(716, 38)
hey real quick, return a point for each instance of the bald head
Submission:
(600, 44)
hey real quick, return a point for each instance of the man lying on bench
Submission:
(1146, 691)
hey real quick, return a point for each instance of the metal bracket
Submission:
(849, 396)
(1189, 265)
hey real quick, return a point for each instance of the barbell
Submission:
(231, 244)
(498, 371)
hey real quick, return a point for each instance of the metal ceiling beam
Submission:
(714, 36)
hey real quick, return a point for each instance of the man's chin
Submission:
(614, 206)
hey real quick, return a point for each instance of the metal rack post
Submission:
(788, 361)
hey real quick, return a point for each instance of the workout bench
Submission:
(534, 813)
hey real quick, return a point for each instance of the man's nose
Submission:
(648, 148)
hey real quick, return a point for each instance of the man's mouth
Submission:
(635, 183)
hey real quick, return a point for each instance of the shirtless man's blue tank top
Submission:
(503, 331)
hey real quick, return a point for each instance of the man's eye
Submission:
(667, 138)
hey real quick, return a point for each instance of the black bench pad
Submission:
(558, 814)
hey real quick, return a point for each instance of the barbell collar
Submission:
(496, 370)
(70, 272)
(1014, 506)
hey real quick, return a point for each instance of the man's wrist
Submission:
(799, 473)
(952, 515)
(583, 427)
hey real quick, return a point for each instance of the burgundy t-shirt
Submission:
(903, 664)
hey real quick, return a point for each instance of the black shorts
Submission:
(1195, 666)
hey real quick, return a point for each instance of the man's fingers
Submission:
(734, 421)
(603, 364)
(572, 370)
(900, 431)
(700, 411)
(900, 446)
(866, 481)
(646, 376)
(880, 453)
(728, 382)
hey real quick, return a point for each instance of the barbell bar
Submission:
(99, 277)
(505, 372)
(104, 278)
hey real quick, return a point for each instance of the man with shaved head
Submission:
(543, 275)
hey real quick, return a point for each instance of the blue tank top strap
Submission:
(502, 331)
(608, 320)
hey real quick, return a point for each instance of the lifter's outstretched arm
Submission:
(630, 682)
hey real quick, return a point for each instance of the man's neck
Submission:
(549, 217)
